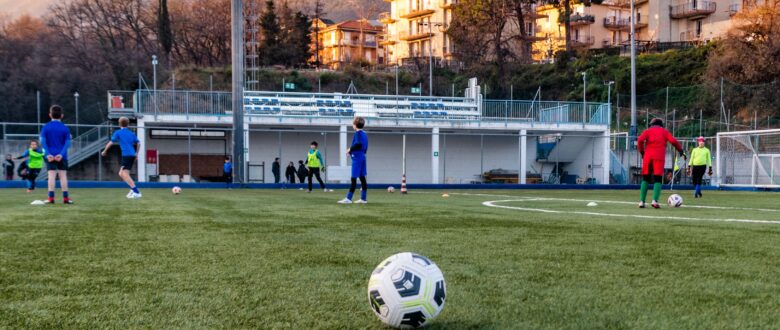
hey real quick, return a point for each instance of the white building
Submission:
(448, 140)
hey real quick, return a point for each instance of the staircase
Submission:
(618, 173)
(558, 149)
(86, 145)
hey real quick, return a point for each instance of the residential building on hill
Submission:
(339, 44)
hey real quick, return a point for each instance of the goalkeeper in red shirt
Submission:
(652, 146)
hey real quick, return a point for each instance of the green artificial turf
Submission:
(287, 259)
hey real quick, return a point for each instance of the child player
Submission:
(129, 143)
(34, 157)
(315, 162)
(227, 172)
(358, 153)
(652, 146)
(55, 141)
(700, 161)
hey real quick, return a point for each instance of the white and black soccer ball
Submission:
(406, 291)
(391, 189)
(176, 190)
(675, 200)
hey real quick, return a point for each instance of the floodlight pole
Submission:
(633, 130)
(76, 101)
(237, 49)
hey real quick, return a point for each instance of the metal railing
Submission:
(693, 8)
(183, 102)
(270, 103)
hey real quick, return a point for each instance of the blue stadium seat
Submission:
(320, 103)
(277, 109)
(417, 114)
(414, 105)
(348, 104)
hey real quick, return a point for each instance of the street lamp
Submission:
(584, 90)
(609, 99)
(154, 66)
(430, 25)
(76, 98)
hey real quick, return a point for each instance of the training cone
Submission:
(403, 185)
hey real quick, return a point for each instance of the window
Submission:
(698, 28)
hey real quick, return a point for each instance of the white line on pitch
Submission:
(495, 204)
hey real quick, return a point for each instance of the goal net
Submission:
(748, 159)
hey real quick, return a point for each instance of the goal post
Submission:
(748, 159)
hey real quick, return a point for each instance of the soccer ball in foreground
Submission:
(390, 189)
(406, 291)
(176, 190)
(675, 200)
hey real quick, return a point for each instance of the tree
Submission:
(319, 12)
(164, 32)
(365, 10)
(269, 45)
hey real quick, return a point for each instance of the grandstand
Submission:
(443, 134)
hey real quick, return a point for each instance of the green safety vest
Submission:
(35, 160)
(313, 160)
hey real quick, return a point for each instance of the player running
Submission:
(652, 146)
(129, 144)
(34, 162)
(701, 161)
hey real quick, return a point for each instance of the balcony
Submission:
(693, 9)
(625, 3)
(386, 18)
(447, 4)
(582, 41)
(414, 13)
(406, 36)
(733, 9)
(580, 20)
(532, 36)
(621, 23)
(350, 43)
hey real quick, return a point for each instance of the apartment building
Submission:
(415, 28)
(347, 42)
(608, 24)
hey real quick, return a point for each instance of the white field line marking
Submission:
(602, 201)
(639, 216)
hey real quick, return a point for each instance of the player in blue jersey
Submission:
(358, 153)
(129, 143)
(227, 172)
(55, 141)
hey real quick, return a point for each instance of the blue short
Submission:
(359, 168)
(127, 162)
(57, 166)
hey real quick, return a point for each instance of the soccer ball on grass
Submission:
(675, 200)
(406, 290)
(390, 189)
(176, 190)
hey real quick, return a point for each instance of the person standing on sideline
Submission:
(227, 172)
(302, 172)
(34, 164)
(8, 167)
(316, 163)
(701, 161)
(129, 144)
(289, 173)
(652, 146)
(276, 169)
(55, 141)
(358, 153)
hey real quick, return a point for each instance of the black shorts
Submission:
(697, 172)
(127, 162)
(57, 166)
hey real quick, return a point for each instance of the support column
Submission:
(246, 158)
(523, 156)
(343, 145)
(141, 132)
(435, 156)
(606, 162)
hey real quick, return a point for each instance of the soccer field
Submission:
(287, 259)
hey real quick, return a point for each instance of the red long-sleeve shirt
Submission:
(652, 143)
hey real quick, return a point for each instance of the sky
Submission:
(15, 8)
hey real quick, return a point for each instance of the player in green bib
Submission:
(700, 161)
(315, 163)
(34, 157)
